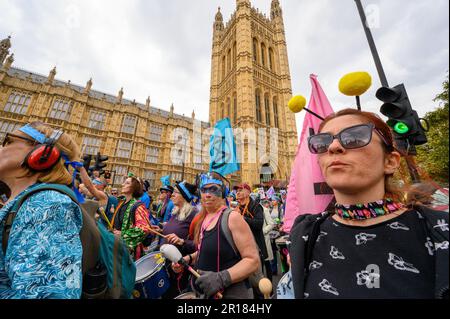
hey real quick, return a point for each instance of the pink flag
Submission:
(302, 198)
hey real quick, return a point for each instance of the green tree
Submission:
(433, 156)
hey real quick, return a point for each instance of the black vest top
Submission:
(208, 253)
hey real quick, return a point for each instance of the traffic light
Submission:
(404, 121)
(99, 165)
(87, 161)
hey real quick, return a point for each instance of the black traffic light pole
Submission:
(412, 169)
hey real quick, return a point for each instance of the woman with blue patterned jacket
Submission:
(43, 255)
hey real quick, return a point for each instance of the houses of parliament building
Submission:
(250, 84)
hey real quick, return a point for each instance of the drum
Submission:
(285, 288)
(187, 295)
(282, 241)
(274, 234)
(152, 279)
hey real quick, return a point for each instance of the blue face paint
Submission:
(214, 190)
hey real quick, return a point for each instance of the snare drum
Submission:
(152, 280)
(187, 295)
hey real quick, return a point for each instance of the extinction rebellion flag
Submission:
(223, 149)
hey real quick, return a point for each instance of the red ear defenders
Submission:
(44, 156)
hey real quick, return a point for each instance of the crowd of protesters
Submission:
(232, 235)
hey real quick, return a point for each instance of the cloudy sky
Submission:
(162, 48)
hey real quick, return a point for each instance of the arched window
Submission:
(223, 68)
(275, 111)
(255, 50)
(267, 108)
(258, 105)
(263, 54)
(229, 107)
(234, 108)
(229, 60)
(271, 66)
(222, 108)
(234, 53)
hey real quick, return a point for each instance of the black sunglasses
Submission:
(7, 139)
(350, 138)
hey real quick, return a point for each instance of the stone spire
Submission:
(245, 3)
(275, 10)
(88, 87)
(51, 76)
(9, 61)
(5, 45)
(218, 23)
(171, 110)
(193, 114)
(120, 96)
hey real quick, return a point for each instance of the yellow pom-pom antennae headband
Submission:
(297, 103)
(355, 84)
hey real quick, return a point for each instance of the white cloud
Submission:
(163, 48)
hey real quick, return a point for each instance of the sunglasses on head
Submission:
(213, 190)
(350, 138)
(7, 139)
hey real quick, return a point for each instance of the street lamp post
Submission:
(184, 160)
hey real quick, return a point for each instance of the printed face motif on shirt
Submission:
(362, 238)
(326, 286)
(322, 234)
(336, 254)
(369, 277)
(430, 246)
(443, 245)
(398, 225)
(400, 264)
(442, 225)
(315, 265)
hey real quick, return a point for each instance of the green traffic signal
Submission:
(401, 128)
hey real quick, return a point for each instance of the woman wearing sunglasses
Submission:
(221, 269)
(372, 245)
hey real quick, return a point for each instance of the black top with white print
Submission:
(393, 259)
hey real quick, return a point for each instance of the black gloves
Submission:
(212, 282)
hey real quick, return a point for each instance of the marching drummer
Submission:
(177, 232)
(221, 268)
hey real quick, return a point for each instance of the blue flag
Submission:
(165, 180)
(223, 149)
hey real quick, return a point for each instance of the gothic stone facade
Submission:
(137, 138)
(251, 85)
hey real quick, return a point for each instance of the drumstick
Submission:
(196, 274)
(159, 234)
(173, 254)
(150, 227)
(105, 218)
(265, 286)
